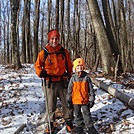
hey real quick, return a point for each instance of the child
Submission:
(81, 95)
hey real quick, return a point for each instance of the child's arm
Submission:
(91, 93)
(69, 91)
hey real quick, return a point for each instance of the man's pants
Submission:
(57, 90)
(83, 117)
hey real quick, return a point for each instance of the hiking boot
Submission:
(47, 129)
(77, 130)
(92, 130)
(69, 126)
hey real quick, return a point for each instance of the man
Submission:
(54, 65)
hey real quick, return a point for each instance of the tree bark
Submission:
(110, 32)
(108, 63)
(27, 30)
(68, 23)
(36, 27)
(57, 15)
(15, 48)
(62, 22)
(49, 15)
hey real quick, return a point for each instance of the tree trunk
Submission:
(49, 15)
(68, 23)
(110, 31)
(8, 38)
(57, 15)
(77, 28)
(123, 36)
(27, 30)
(23, 34)
(62, 22)
(115, 92)
(15, 48)
(108, 63)
(0, 26)
(36, 27)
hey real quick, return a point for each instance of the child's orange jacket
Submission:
(54, 64)
(80, 89)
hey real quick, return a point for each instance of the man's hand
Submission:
(43, 74)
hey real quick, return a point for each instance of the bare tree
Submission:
(62, 22)
(110, 31)
(36, 27)
(23, 34)
(68, 23)
(107, 58)
(28, 35)
(0, 25)
(57, 15)
(8, 36)
(14, 4)
(49, 15)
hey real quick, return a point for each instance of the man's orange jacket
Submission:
(55, 64)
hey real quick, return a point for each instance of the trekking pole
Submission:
(46, 99)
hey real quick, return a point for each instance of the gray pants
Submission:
(83, 117)
(57, 90)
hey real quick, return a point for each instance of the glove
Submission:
(91, 104)
(70, 105)
(43, 74)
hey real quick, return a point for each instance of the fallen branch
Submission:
(20, 129)
(115, 92)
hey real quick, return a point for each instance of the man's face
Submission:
(54, 41)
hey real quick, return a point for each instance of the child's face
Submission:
(79, 68)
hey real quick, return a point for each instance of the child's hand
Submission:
(70, 105)
(91, 104)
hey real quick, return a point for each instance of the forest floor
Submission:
(22, 104)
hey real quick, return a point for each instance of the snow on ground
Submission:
(22, 103)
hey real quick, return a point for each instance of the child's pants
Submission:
(83, 117)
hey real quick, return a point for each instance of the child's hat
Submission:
(78, 62)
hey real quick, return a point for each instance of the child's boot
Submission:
(92, 130)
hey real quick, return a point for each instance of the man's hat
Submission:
(53, 33)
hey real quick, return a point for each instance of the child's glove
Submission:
(91, 104)
(70, 105)
(43, 74)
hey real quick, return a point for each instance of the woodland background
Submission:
(100, 31)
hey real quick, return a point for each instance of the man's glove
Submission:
(43, 74)
(70, 105)
(91, 104)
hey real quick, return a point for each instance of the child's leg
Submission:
(87, 116)
(78, 116)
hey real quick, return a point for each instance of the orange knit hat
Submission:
(53, 33)
(77, 62)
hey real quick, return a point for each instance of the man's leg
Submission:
(52, 99)
(67, 113)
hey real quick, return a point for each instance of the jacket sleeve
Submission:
(39, 63)
(91, 91)
(69, 91)
(69, 63)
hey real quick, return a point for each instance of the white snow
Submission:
(22, 102)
